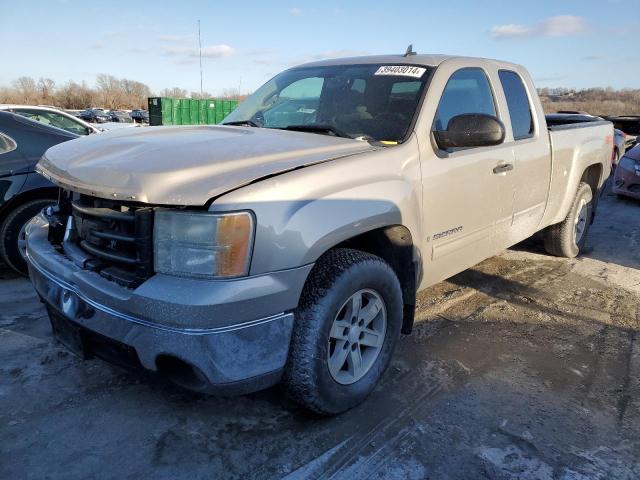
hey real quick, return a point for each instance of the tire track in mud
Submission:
(382, 433)
(386, 438)
(625, 394)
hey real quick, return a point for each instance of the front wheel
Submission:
(567, 238)
(347, 326)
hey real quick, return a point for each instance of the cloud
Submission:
(97, 46)
(217, 51)
(211, 51)
(295, 11)
(592, 58)
(259, 51)
(559, 26)
(177, 38)
(263, 61)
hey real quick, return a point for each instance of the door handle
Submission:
(503, 168)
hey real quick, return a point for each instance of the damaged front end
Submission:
(111, 238)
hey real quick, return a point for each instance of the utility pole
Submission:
(200, 52)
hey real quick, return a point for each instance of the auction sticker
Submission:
(402, 70)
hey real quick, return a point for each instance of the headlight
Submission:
(200, 244)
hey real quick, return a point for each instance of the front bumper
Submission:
(235, 333)
(626, 182)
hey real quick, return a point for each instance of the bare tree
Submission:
(109, 89)
(26, 89)
(135, 94)
(74, 95)
(175, 92)
(45, 86)
(201, 95)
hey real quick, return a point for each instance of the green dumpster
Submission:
(175, 112)
(188, 111)
(194, 111)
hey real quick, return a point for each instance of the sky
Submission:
(563, 43)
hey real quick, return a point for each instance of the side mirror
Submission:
(471, 130)
(88, 130)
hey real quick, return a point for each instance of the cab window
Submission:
(518, 104)
(467, 91)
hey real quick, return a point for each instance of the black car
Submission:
(119, 116)
(140, 116)
(94, 115)
(23, 193)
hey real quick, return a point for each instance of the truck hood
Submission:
(184, 165)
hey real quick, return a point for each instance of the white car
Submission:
(53, 117)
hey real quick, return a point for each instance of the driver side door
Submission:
(467, 199)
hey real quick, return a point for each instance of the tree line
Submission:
(108, 92)
(112, 93)
(596, 101)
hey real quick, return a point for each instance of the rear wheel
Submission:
(347, 325)
(567, 238)
(12, 234)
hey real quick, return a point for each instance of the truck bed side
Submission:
(574, 149)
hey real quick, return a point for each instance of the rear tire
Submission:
(567, 238)
(311, 377)
(12, 231)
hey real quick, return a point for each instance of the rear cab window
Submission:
(518, 104)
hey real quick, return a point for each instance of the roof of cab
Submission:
(416, 59)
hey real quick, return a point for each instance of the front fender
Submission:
(302, 214)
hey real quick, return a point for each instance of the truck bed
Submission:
(575, 146)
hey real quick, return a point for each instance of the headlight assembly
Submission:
(202, 244)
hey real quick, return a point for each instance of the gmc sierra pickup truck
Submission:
(288, 244)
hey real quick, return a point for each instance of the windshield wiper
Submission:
(318, 128)
(249, 123)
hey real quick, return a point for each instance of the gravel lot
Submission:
(525, 366)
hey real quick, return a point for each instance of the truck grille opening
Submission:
(116, 237)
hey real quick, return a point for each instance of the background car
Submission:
(140, 116)
(119, 116)
(626, 181)
(23, 192)
(53, 117)
(94, 115)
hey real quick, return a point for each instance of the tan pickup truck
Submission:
(288, 244)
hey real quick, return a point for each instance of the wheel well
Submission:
(394, 245)
(27, 196)
(592, 176)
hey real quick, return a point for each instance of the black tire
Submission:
(336, 276)
(10, 229)
(560, 239)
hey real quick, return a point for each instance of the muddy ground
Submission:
(524, 367)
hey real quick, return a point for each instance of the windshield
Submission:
(373, 101)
